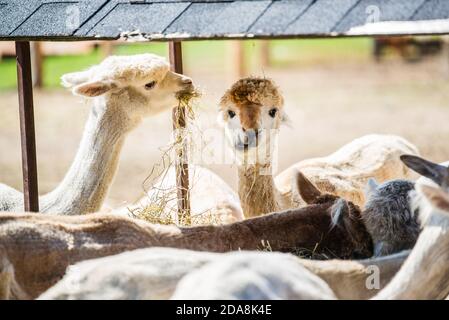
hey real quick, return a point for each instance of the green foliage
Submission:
(206, 55)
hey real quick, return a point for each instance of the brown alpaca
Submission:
(40, 248)
(252, 112)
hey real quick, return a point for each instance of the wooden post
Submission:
(265, 57)
(445, 56)
(37, 61)
(238, 56)
(179, 125)
(26, 111)
(107, 48)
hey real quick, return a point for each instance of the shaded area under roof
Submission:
(217, 19)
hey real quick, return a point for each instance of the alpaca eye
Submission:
(231, 113)
(150, 85)
(273, 112)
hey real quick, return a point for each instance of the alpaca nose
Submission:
(254, 132)
(186, 84)
(247, 138)
(186, 80)
(250, 136)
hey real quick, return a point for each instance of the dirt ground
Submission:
(329, 105)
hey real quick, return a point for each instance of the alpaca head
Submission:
(251, 112)
(433, 202)
(138, 85)
(354, 240)
(389, 217)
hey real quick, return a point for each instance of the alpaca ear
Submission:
(370, 187)
(306, 189)
(434, 171)
(339, 210)
(341, 216)
(94, 88)
(380, 249)
(437, 197)
(220, 119)
(70, 80)
(285, 119)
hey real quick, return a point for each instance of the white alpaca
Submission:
(346, 171)
(154, 273)
(124, 90)
(146, 274)
(252, 112)
(253, 276)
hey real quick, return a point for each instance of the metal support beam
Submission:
(27, 135)
(179, 125)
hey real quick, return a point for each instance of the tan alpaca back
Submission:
(345, 172)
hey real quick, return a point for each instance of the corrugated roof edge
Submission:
(396, 28)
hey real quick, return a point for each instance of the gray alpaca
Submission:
(388, 216)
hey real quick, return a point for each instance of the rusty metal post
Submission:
(27, 135)
(179, 125)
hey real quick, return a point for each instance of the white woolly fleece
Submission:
(135, 69)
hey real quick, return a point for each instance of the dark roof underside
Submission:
(217, 19)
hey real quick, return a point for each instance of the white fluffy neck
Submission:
(87, 182)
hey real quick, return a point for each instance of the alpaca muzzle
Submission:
(186, 87)
(247, 139)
